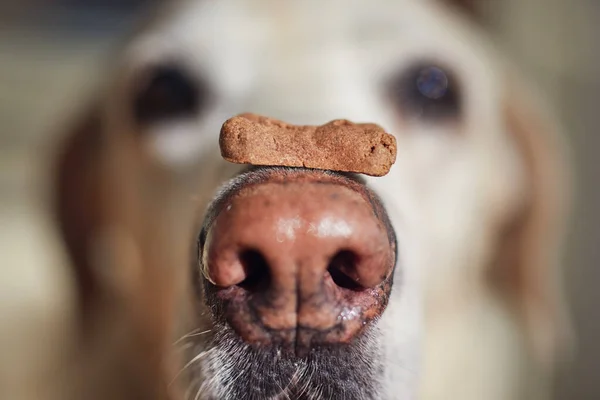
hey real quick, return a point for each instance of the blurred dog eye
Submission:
(167, 93)
(428, 92)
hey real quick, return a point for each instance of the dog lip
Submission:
(237, 308)
(239, 313)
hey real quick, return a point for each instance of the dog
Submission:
(476, 205)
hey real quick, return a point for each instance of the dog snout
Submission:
(299, 258)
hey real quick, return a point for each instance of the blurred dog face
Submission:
(406, 66)
(462, 180)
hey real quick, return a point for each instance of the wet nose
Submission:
(300, 260)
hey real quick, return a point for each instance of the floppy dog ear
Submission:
(113, 208)
(96, 179)
(77, 199)
(528, 270)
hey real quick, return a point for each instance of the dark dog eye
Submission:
(167, 93)
(427, 91)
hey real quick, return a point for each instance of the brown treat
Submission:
(339, 145)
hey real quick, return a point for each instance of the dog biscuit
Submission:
(339, 145)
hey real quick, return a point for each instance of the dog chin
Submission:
(233, 369)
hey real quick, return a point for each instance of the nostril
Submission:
(256, 269)
(342, 268)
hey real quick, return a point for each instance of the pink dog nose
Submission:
(303, 254)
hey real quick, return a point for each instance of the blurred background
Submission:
(51, 52)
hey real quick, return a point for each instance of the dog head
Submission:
(473, 203)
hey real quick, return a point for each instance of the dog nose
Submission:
(300, 260)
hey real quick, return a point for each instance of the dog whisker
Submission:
(186, 366)
(191, 334)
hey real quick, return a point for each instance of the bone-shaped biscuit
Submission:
(339, 145)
